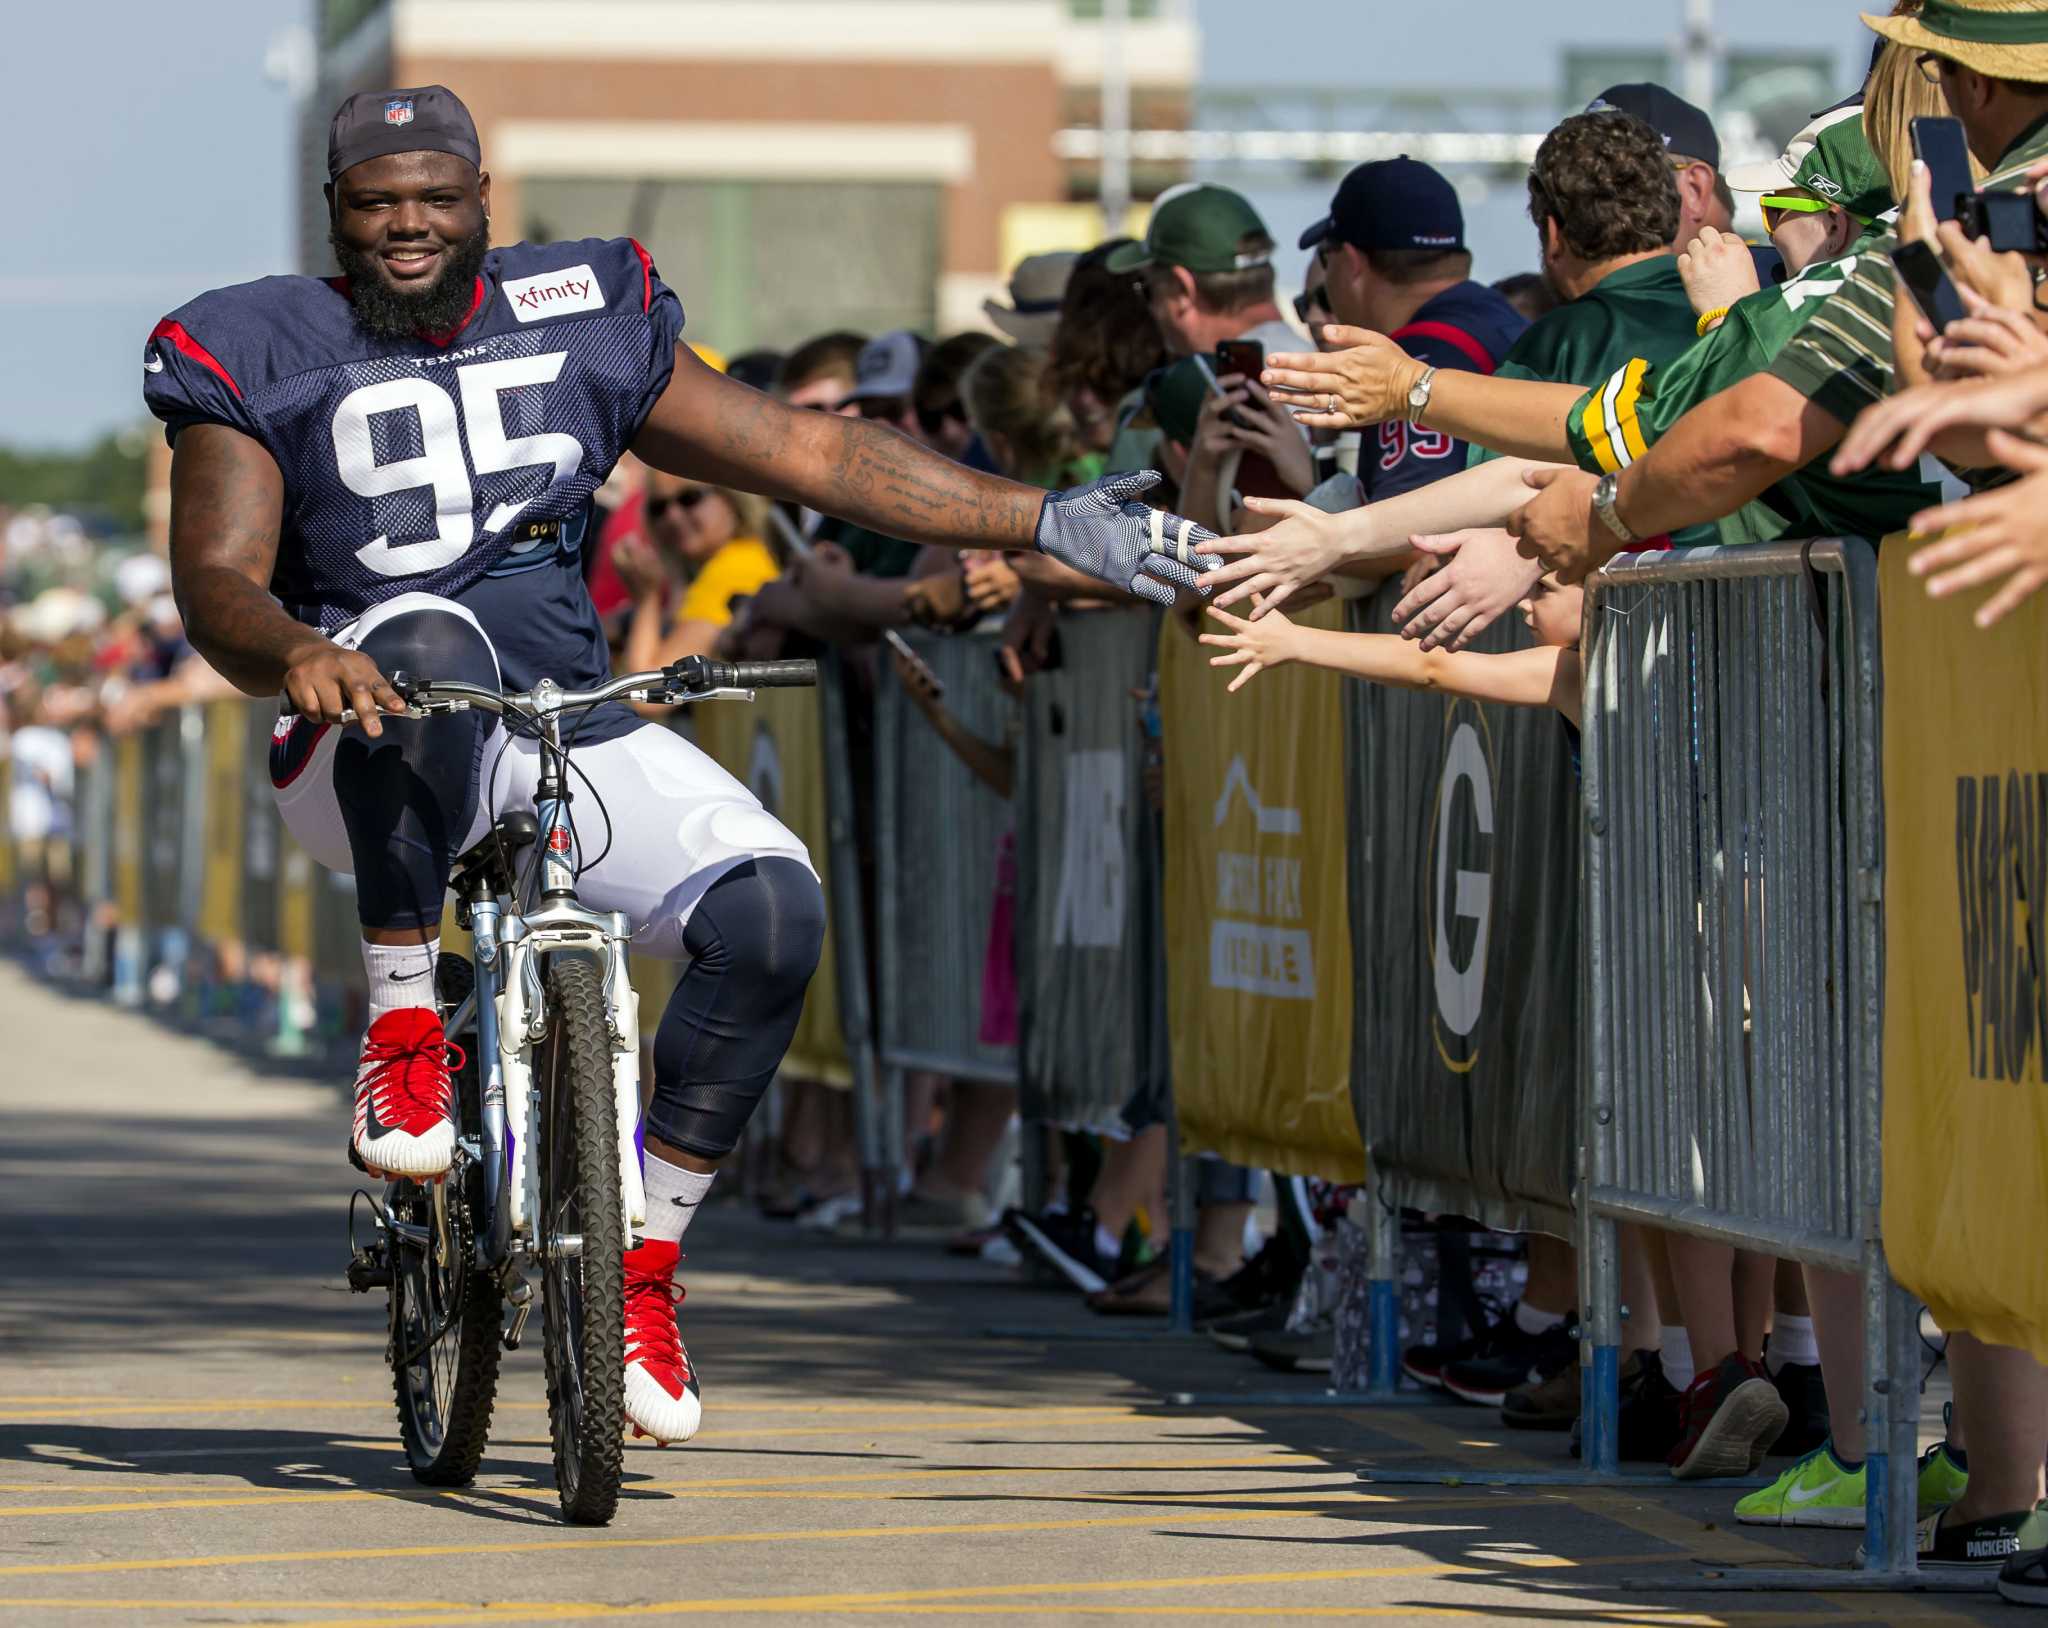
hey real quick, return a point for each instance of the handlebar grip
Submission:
(769, 675)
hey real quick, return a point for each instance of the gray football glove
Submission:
(1104, 531)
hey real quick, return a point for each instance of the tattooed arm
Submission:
(711, 428)
(227, 508)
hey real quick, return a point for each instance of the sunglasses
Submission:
(1313, 301)
(1930, 64)
(890, 407)
(933, 419)
(1777, 208)
(688, 498)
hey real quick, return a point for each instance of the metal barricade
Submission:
(1733, 857)
(938, 834)
(1086, 909)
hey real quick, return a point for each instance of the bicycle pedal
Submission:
(369, 1269)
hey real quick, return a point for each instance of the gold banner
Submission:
(775, 748)
(1966, 957)
(1258, 941)
(220, 888)
(128, 801)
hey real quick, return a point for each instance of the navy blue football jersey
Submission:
(1467, 326)
(463, 467)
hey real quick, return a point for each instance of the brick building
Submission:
(793, 165)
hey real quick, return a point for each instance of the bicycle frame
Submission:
(507, 1008)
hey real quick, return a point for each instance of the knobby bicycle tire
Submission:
(444, 1434)
(584, 1294)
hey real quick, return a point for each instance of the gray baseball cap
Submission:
(375, 123)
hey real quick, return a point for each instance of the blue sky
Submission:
(167, 169)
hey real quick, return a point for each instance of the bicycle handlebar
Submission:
(694, 678)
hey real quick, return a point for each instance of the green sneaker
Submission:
(1942, 1479)
(1818, 1490)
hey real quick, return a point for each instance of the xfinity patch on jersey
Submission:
(554, 293)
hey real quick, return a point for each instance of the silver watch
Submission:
(1603, 506)
(1418, 395)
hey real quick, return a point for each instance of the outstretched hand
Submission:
(1367, 382)
(1481, 578)
(1558, 527)
(1999, 533)
(1254, 646)
(1105, 531)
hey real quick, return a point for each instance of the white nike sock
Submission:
(1791, 1341)
(1531, 1321)
(1676, 1352)
(1107, 1244)
(673, 1195)
(400, 975)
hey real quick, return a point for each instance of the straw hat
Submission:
(2006, 39)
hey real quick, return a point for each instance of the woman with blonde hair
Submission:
(706, 541)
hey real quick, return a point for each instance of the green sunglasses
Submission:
(1776, 205)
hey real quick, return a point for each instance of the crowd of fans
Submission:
(1659, 382)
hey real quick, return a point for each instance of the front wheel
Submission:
(583, 1242)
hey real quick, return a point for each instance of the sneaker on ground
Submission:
(1648, 1425)
(405, 1099)
(1983, 1546)
(1806, 1406)
(1550, 1404)
(1274, 1273)
(1509, 1358)
(662, 1398)
(1942, 1479)
(2023, 1580)
(1236, 1331)
(1425, 1364)
(1312, 1351)
(1065, 1241)
(1819, 1490)
(1731, 1415)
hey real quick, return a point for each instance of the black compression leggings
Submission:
(754, 941)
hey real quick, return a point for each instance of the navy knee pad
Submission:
(754, 941)
(408, 797)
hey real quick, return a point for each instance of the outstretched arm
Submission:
(715, 429)
(1309, 543)
(227, 509)
(1368, 383)
(1542, 676)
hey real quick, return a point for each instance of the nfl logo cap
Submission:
(1199, 227)
(375, 123)
(1830, 159)
(1394, 203)
(1687, 132)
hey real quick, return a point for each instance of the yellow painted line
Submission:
(687, 1541)
(959, 1413)
(728, 1486)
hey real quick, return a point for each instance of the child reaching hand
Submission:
(1548, 675)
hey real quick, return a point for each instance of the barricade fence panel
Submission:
(1465, 914)
(1084, 940)
(1258, 952)
(1966, 1018)
(939, 836)
(1732, 831)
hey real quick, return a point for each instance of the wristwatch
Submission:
(1603, 506)
(1418, 395)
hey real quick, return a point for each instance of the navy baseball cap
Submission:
(1393, 203)
(375, 123)
(1687, 132)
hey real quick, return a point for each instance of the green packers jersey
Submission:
(1841, 358)
(1640, 311)
(1615, 423)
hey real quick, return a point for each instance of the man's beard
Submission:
(388, 313)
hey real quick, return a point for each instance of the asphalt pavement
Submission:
(196, 1424)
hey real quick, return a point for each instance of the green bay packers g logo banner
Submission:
(1464, 833)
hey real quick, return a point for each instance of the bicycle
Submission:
(546, 1170)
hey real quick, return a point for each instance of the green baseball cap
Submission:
(1829, 159)
(1174, 396)
(1198, 226)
